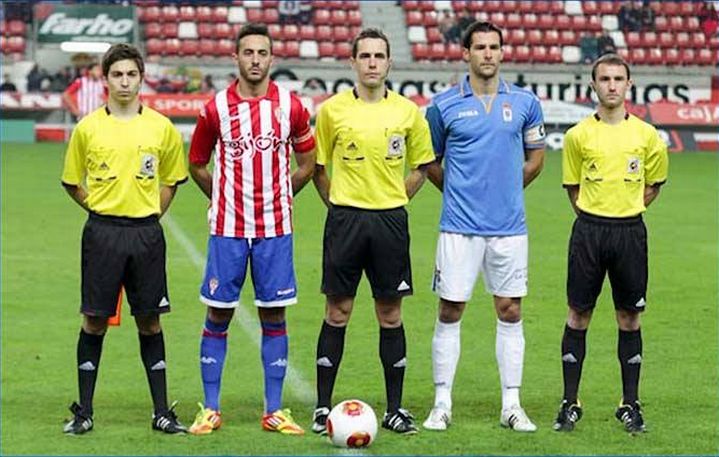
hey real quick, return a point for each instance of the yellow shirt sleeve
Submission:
(656, 166)
(172, 161)
(571, 160)
(73, 172)
(419, 142)
(323, 135)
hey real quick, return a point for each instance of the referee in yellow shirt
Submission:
(613, 166)
(367, 135)
(122, 166)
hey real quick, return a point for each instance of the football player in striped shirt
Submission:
(86, 93)
(251, 126)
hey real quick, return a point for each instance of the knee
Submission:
(508, 309)
(94, 325)
(390, 318)
(450, 312)
(628, 321)
(337, 316)
(578, 319)
(148, 325)
(220, 315)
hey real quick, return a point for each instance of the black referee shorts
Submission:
(376, 241)
(600, 245)
(121, 251)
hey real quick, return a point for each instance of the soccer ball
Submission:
(352, 423)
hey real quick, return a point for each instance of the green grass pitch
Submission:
(40, 298)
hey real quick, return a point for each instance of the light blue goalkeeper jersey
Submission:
(482, 142)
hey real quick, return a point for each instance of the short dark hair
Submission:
(253, 28)
(480, 26)
(610, 59)
(122, 51)
(370, 32)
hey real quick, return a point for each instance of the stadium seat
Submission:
(270, 16)
(551, 37)
(341, 33)
(524, 7)
(618, 37)
(327, 49)
(610, 22)
(322, 17)
(290, 32)
(562, 22)
(189, 47)
(666, 40)
(676, 24)
(555, 54)
(410, 5)
(655, 56)
(437, 51)
(508, 53)
(170, 30)
(292, 49)
(573, 8)
(714, 43)
(188, 13)
(441, 5)
(254, 15)
(414, 18)
(433, 35)
(204, 13)
(323, 33)
(172, 46)
(706, 57)
(278, 49)
(661, 24)
(205, 30)
(516, 36)
(534, 37)
(153, 30)
(256, 4)
(417, 34)
(236, 15)
(567, 37)
(687, 56)
(633, 39)
(589, 7)
(514, 20)
(692, 23)
(420, 51)
(169, 13)
(623, 53)
(649, 40)
(672, 57)
(522, 54)
(539, 54)
(226, 47)
(454, 51)
(354, 18)
(16, 28)
(429, 19)
(224, 30)
(498, 18)
(207, 47)
(546, 21)
(638, 56)
(151, 14)
(571, 54)
(275, 31)
(688, 8)
(343, 50)
(339, 17)
(530, 21)
(187, 30)
(307, 32)
(155, 46)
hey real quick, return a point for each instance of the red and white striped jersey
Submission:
(90, 94)
(251, 138)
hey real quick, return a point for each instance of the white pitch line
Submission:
(248, 321)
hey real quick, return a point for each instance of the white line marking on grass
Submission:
(248, 321)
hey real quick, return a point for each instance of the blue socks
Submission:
(213, 349)
(274, 361)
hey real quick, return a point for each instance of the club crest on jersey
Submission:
(214, 284)
(280, 115)
(633, 165)
(148, 165)
(507, 112)
(395, 145)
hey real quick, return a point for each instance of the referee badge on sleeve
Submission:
(395, 146)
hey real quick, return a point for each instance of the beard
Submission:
(256, 78)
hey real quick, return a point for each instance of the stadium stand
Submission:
(13, 39)
(549, 31)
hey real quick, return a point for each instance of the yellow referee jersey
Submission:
(124, 162)
(368, 145)
(612, 164)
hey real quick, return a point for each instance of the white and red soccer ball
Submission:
(352, 424)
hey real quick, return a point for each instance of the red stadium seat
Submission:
(669, 8)
(539, 54)
(546, 21)
(169, 13)
(706, 57)
(205, 30)
(676, 24)
(608, 7)
(499, 19)
(516, 36)
(343, 50)
(322, 17)
(624, 53)
(589, 7)
(551, 38)
(692, 23)
(351, 5)
(522, 54)
(661, 24)
(292, 49)
(454, 51)
(339, 17)
(530, 21)
(556, 7)
(540, 7)
(169, 30)
(534, 37)
(16, 27)
(420, 51)
(414, 18)
(207, 47)
(270, 16)
(579, 23)
(633, 39)
(341, 33)
(154, 46)
(172, 46)
(410, 5)
(508, 53)
(254, 15)
(672, 57)
(189, 47)
(429, 19)
(220, 13)
(655, 57)
(649, 39)
(188, 13)
(437, 51)
(290, 32)
(151, 14)
(698, 40)
(278, 49)
(688, 8)
(555, 54)
(523, 7)
(687, 56)
(433, 35)
(204, 13)
(226, 47)
(327, 49)
(323, 33)
(714, 43)
(567, 37)
(275, 31)
(562, 22)
(638, 56)
(224, 30)
(514, 21)
(153, 30)
(492, 6)
(354, 17)
(666, 40)
(307, 32)
(594, 23)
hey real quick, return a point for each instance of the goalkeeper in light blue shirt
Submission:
(490, 136)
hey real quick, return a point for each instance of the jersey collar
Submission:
(356, 94)
(270, 94)
(107, 110)
(597, 118)
(465, 89)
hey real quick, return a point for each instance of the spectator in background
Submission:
(448, 27)
(294, 12)
(605, 43)
(33, 79)
(465, 20)
(589, 47)
(7, 85)
(165, 87)
(86, 93)
(629, 18)
(709, 19)
(207, 86)
(646, 17)
(313, 87)
(231, 77)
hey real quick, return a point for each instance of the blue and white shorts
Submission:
(271, 266)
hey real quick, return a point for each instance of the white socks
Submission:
(510, 360)
(445, 355)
